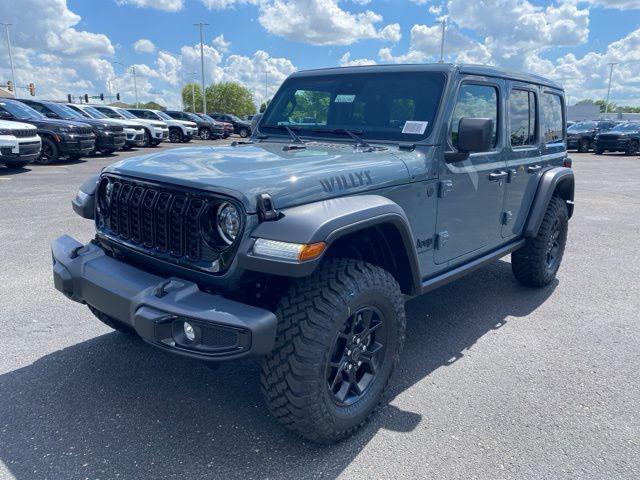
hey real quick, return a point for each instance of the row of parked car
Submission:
(604, 136)
(42, 131)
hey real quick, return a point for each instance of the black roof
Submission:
(481, 70)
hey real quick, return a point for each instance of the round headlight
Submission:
(228, 222)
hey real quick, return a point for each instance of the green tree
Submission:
(152, 106)
(264, 105)
(192, 97)
(230, 97)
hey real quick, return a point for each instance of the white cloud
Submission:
(221, 44)
(322, 22)
(144, 46)
(222, 4)
(615, 4)
(164, 5)
(345, 61)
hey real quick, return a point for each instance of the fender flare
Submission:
(327, 221)
(558, 179)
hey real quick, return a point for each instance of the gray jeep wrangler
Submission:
(360, 188)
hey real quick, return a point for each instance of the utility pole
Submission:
(204, 103)
(13, 74)
(135, 83)
(443, 22)
(606, 104)
(266, 86)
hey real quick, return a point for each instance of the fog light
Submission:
(189, 332)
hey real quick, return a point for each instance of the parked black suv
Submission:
(206, 128)
(581, 135)
(623, 138)
(60, 138)
(240, 127)
(109, 138)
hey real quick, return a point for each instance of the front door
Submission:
(472, 191)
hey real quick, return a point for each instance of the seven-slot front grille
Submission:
(24, 133)
(154, 217)
(115, 128)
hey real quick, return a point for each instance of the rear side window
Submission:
(552, 117)
(475, 101)
(522, 118)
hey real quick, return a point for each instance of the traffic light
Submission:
(69, 98)
(102, 97)
(86, 98)
(118, 96)
(32, 89)
(10, 85)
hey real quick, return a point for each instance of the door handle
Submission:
(497, 176)
(534, 168)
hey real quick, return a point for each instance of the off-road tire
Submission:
(53, 152)
(310, 315)
(112, 322)
(530, 264)
(583, 146)
(632, 148)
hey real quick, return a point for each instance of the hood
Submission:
(621, 132)
(291, 177)
(579, 132)
(55, 123)
(186, 123)
(145, 121)
(11, 125)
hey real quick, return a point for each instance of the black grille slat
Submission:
(157, 218)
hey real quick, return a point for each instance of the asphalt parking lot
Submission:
(497, 381)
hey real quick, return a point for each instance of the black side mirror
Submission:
(474, 135)
(51, 115)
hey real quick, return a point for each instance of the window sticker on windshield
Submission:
(414, 127)
(344, 98)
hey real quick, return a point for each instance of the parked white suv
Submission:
(19, 144)
(179, 130)
(133, 130)
(156, 131)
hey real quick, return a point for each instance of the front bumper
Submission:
(77, 144)
(112, 141)
(157, 307)
(23, 151)
(613, 145)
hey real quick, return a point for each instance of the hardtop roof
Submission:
(481, 70)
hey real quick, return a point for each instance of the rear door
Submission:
(471, 192)
(523, 160)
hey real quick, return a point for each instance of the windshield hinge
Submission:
(266, 209)
(407, 146)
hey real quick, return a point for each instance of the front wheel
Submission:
(148, 139)
(244, 133)
(50, 153)
(205, 134)
(583, 146)
(537, 263)
(175, 135)
(340, 334)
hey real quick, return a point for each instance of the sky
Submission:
(70, 46)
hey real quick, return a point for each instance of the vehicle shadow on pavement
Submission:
(114, 407)
(5, 172)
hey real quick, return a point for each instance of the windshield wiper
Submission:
(292, 134)
(343, 131)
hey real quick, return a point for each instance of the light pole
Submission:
(192, 76)
(443, 22)
(13, 75)
(266, 85)
(109, 80)
(135, 83)
(606, 103)
(204, 103)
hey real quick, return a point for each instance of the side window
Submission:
(475, 101)
(552, 117)
(522, 118)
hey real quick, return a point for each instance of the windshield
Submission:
(81, 112)
(207, 117)
(126, 114)
(384, 106)
(63, 111)
(21, 111)
(92, 112)
(163, 116)
(583, 126)
(193, 117)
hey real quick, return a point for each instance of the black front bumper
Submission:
(157, 307)
(111, 141)
(77, 145)
(613, 145)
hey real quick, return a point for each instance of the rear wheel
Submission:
(340, 334)
(50, 153)
(111, 322)
(537, 263)
(205, 134)
(632, 148)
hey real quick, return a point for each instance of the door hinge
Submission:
(444, 187)
(512, 175)
(442, 239)
(506, 217)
